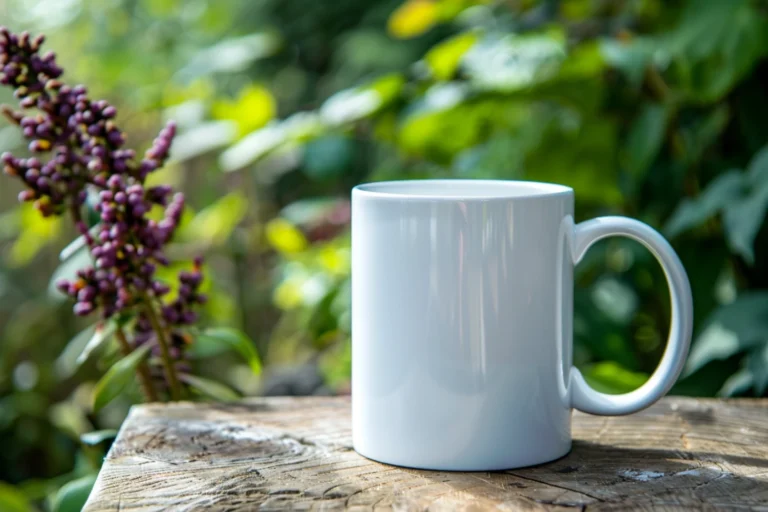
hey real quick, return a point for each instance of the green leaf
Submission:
(757, 172)
(645, 138)
(444, 58)
(731, 329)
(742, 220)
(35, 233)
(631, 58)
(724, 190)
(216, 222)
(98, 436)
(230, 56)
(610, 377)
(211, 388)
(73, 495)
(80, 259)
(232, 339)
(757, 364)
(328, 157)
(13, 500)
(67, 362)
(118, 377)
(203, 139)
(737, 384)
(101, 334)
(513, 62)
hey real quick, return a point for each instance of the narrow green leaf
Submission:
(101, 334)
(73, 495)
(724, 190)
(757, 364)
(12, 500)
(210, 388)
(742, 221)
(758, 168)
(738, 383)
(645, 138)
(98, 436)
(81, 258)
(232, 339)
(118, 377)
(67, 363)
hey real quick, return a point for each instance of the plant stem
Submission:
(162, 341)
(145, 379)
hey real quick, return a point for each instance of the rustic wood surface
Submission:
(295, 453)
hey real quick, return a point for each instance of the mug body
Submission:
(461, 323)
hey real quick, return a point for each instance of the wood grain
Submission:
(295, 453)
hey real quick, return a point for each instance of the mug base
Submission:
(467, 466)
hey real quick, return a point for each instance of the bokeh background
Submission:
(648, 108)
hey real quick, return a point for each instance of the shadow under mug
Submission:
(462, 320)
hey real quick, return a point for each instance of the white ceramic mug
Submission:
(462, 311)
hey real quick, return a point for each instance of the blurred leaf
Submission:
(413, 18)
(211, 388)
(12, 500)
(101, 334)
(631, 57)
(10, 224)
(757, 364)
(444, 58)
(585, 61)
(715, 45)
(328, 157)
(285, 237)
(612, 378)
(726, 189)
(513, 62)
(253, 109)
(253, 147)
(77, 244)
(203, 139)
(216, 222)
(388, 87)
(118, 377)
(737, 384)
(68, 270)
(645, 138)
(731, 329)
(35, 233)
(742, 220)
(66, 363)
(230, 55)
(757, 172)
(308, 211)
(219, 339)
(72, 497)
(350, 105)
(98, 436)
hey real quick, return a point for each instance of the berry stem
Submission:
(142, 372)
(162, 341)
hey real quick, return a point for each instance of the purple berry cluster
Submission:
(87, 164)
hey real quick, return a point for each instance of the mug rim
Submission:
(484, 190)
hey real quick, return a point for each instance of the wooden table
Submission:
(281, 453)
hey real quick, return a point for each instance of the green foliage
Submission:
(72, 496)
(118, 377)
(217, 340)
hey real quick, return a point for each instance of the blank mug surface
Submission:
(462, 323)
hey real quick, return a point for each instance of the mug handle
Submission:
(586, 399)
